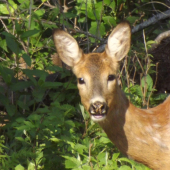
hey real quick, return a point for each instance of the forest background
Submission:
(42, 122)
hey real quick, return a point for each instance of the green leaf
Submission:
(10, 9)
(79, 147)
(148, 82)
(132, 19)
(104, 140)
(20, 139)
(56, 140)
(19, 167)
(115, 156)
(8, 35)
(10, 109)
(126, 160)
(34, 117)
(20, 85)
(13, 45)
(29, 33)
(107, 2)
(7, 74)
(52, 84)
(97, 30)
(3, 44)
(109, 20)
(71, 162)
(3, 9)
(124, 167)
(40, 12)
(112, 6)
(27, 59)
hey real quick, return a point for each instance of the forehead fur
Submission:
(96, 63)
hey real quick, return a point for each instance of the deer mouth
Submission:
(98, 114)
(98, 117)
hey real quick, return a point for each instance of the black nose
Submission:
(98, 108)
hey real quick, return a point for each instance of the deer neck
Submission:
(132, 130)
(114, 123)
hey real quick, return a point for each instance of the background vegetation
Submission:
(43, 124)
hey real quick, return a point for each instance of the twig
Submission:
(90, 146)
(4, 25)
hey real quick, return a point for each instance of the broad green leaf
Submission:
(23, 104)
(71, 162)
(40, 12)
(31, 166)
(20, 85)
(112, 5)
(34, 117)
(115, 156)
(107, 2)
(79, 147)
(29, 33)
(7, 74)
(97, 30)
(104, 140)
(20, 139)
(11, 7)
(27, 59)
(8, 35)
(109, 20)
(13, 45)
(19, 167)
(10, 109)
(3, 9)
(20, 120)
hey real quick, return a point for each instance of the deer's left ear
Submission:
(119, 41)
(67, 47)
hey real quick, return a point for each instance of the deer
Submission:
(142, 135)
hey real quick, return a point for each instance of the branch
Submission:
(143, 25)
(151, 21)
(159, 38)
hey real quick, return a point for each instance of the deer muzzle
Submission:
(98, 111)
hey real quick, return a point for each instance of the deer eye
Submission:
(111, 77)
(81, 81)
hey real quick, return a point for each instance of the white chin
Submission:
(98, 118)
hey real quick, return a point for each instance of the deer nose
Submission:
(98, 108)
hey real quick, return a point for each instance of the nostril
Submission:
(98, 108)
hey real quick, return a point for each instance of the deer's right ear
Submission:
(67, 47)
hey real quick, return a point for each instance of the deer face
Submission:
(96, 72)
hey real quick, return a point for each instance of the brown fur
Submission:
(142, 135)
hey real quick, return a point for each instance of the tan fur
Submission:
(142, 135)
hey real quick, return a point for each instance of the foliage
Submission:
(43, 123)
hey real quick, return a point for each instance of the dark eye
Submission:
(111, 77)
(81, 81)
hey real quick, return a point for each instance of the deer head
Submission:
(96, 72)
